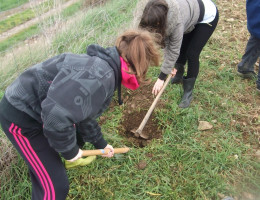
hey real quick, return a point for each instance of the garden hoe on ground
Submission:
(138, 132)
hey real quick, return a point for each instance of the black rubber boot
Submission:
(188, 85)
(179, 75)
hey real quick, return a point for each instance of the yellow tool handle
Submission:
(104, 151)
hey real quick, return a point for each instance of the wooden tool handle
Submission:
(104, 151)
(149, 112)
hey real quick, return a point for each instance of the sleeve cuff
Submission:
(162, 76)
(100, 144)
(71, 154)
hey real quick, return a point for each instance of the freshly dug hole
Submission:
(131, 121)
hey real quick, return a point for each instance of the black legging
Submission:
(48, 174)
(193, 44)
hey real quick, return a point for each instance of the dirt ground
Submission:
(136, 105)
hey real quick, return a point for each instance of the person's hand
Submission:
(79, 155)
(80, 162)
(173, 72)
(111, 151)
(157, 86)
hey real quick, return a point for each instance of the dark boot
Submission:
(178, 77)
(188, 85)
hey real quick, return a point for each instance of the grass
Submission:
(6, 5)
(32, 30)
(186, 163)
(18, 37)
(71, 10)
(97, 26)
(12, 177)
(16, 20)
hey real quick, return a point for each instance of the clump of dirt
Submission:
(141, 165)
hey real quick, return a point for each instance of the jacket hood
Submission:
(109, 54)
(112, 56)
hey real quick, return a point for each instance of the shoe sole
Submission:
(246, 76)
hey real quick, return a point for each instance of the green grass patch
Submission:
(16, 20)
(8, 4)
(18, 37)
(97, 26)
(71, 10)
(16, 171)
(27, 33)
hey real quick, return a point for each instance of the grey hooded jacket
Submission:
(66, 94)
(182, 17)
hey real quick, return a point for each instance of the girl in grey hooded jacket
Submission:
(52, 107)
(185, 27)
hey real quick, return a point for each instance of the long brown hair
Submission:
(139, 49)
(154, 17)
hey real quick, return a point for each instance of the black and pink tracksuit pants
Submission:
(47, 172)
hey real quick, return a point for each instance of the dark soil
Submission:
(136, 105)
(132, 121)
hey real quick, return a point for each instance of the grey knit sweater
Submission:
(182, 17)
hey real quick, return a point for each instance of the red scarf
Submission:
(128, 80)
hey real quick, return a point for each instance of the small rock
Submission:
(133, 105)
(141, 165)
(230, 20)
(204, 125)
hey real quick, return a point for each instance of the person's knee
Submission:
(61, 190)
(192, 55)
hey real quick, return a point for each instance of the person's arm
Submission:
(172, 50)
(90, 131)
(68, 103)
(171, 53)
